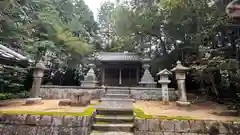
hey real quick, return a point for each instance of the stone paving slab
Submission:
(112, 133)
(115, 105)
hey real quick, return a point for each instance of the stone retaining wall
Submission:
(151, 93)
(138, 93)
(65, 92)
(44, 125)
(185, 127)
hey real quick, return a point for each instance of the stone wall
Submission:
(140, 93)
(64, 92)
(185, 127)
(44, 125)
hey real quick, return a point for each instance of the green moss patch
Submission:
(88, 111)
(95, 131)
(139, 113)
(100, 122)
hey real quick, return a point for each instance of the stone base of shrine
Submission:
(144, 93)
(137, 93)
(148, 85)
(89, 83)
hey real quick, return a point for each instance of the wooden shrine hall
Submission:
(120, 68)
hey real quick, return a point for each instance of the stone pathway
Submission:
(114, 113)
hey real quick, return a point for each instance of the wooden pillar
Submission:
(137, 75)
(120, 76)
(103, 76)
(129, 76)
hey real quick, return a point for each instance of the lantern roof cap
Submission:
(164, 72)
(180, 67)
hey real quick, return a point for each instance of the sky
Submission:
(94, 5)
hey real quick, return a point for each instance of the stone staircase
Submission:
(114, 115)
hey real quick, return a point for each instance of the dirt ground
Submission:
(45, 106)
(198, 111)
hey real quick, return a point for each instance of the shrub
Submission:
(23, 94)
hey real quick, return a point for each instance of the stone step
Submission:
(118, 95)
(126, 127)
(118, 99)
(111, 133)
(116, 88)
(113, 91)
(114, 119)
(114, 112)
(114, 108)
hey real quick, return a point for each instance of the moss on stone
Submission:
(100, 122)
(139, 113)
(95, 131)
(88, 111)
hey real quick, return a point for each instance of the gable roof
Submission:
(118, 56)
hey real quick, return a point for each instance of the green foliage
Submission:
(22, 94)
(12, 79)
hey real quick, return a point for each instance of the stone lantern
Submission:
(90, 78)
(164, 81)
(38, 73)
(180, 72)
(147, 79)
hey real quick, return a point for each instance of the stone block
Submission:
(189, 134)
(45, 130)
(45, 120)
(69, 121)
(2, 118)
(183, 103)
(167, 125)
(57, 120)
(141, 124)
(64, 102)
(32, 101)
(155, 133)
(9, 130)
(182, 126)
(226, 127)
(197, 126)
(141, 133)
(81, 131)
(55, 131)
(212, 127)
(236, 126)
(65, 131)
(14, 118)
(32, 119)
(80, 103)
(26, 130)
(83, 121)
(168, 133)
(1, 129)
(154, 124)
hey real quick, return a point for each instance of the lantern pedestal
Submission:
(38, 73)
(164, 81)
(180, 72)
(147, 79)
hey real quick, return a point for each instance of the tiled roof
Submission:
(8, 56)
(118, 56)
